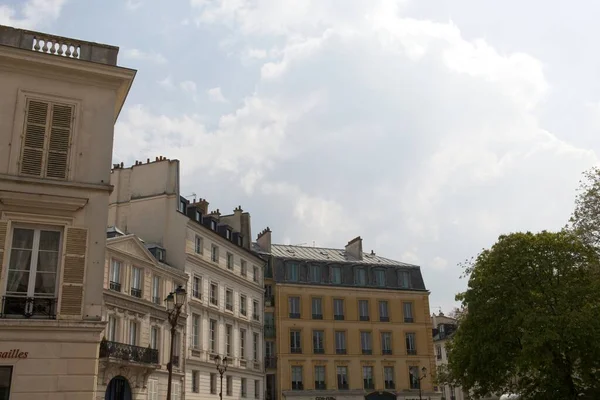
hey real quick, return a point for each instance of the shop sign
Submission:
(14, 353)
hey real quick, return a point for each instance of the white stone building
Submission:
(136, 341)
(225, 287)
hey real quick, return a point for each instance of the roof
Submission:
(331, 255)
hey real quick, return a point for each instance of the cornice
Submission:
(228, 274)
(57, 183)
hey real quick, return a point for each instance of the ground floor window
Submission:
(5, 378)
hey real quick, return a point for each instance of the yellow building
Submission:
(344, 325)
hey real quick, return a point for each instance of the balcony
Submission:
(269, 331)
(296, 350)
(319, 351)
(255, 317)
(128, 353)
(196, 294)
(319, 385)
(269, 300)
(270, 362)
(364, 317)
(340, 351)
(411, 352)
(338, 317)
(28, 307)
(369, 385)
(136, 293)
(156, 300)
(243, 312)
(409, 320)
(116, 286)
(176, 361)
(390, 385)
(317, 316)
(439, 356)
(384, 319)
(343, 386)
(367, 352)
(386, 351)
(297, 386)
(294, 315)
(229, 306)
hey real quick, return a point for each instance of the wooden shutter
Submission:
(36, 120)
(3, 243)
(60, 141)
(71, 300)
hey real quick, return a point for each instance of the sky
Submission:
(427, 127)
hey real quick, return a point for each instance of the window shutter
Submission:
(73, 272)
(60, 141)
(3, 242)
(36, 119)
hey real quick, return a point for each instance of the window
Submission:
(228, 234)
(133, 333)
(228, 334)
(243, 305)
(295, 342)
(229, 385)
(297, 378)
(213, 336)
(195, 381)
(255, 310)
(256, 389)
(360, 276)
(214, 294)
(213, 383)
(384, 315)
(154, 337)
(214, 254)
(388, 377)
(368, 382)
(320, 377)
(292, 272)
(317, 308)
(405, 279)
(115, 273)
(243, 344)
(342, 378)
(156, 289)
(379, 275)
(182, 205)
(413, 374)
(336, 275)
(386, 343)
(244, 388)
(230, 261)
(198, 215)
(408, 314)
(363, 310)
(438, 351)
(152, 389)
(244, 268)
(255, 346)
(195, 331)
(229, 300)
(112, 328)
(136, 282)
(315, 273)
(176, 391)
(318, 342)
(197, 287)
(255, 274)
(338, 309)
(340, 342)
(213, 225)
(199, 245)
(365, 342)
(46, 139)
(294, 306)
(410, 344)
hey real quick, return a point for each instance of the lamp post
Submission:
(221, 367)
(175, 301)
(424, 374)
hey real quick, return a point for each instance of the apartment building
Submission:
(443, 329)
(134, 351)
(59, 101)
(344, 324)
(225, 288)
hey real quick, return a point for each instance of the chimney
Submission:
(354, 248)
(264, 240)
(245, 229)
(202, 205)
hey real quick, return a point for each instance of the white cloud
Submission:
(439, 263)
(167, 83)
(139, 55)
(33, 14)
(188, 86)
(215, 95)
(133, 5)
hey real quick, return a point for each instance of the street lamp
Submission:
(221, 367)
(424, 374)
(175, 301)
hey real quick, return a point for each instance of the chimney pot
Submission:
(122, 164)
(147, 161)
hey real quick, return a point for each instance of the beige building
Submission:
(59, 101)
(225, 289)
(136, 341)
(443, 328)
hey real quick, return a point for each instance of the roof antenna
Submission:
(190, 195)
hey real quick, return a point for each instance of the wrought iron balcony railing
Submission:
(411, 352)
(390, 385)
(269, 331)
(127, 352)
(270, 362)
(136, 293)
(269, 300)
(116, 286)
(338, 317)
(28, 307)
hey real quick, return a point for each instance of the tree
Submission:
(533, 320)
(585, 220)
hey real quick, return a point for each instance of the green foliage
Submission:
(585, 220)
(531, 319)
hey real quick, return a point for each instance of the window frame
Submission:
(198, 244)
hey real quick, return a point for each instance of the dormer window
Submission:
(379, 275)
(160, 255)
(213, 225)
(228, 234)
(198, 216)
(360, 276)
(182, 205)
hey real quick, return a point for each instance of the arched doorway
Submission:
(380, 396)
(118, 389)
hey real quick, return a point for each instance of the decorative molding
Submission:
(20, 217)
